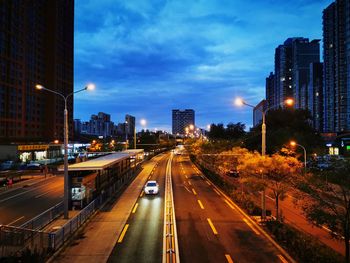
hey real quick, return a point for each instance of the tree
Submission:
(233, 131)
(330, 200)
(275, 172)
(282, 125)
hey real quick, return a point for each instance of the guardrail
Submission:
(60, 236)
(27, 243)
(44, 218)
(170, 243)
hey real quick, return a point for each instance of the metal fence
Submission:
(16, 242)
(27, 241)
(44, 218)
(60, 236)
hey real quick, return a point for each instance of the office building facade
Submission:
(129, 125)
(182, 119)
(336, 56)
(36, 46)
(270, 90)
(315, 95)
(304, 53)
(258, 112)
(290, 80)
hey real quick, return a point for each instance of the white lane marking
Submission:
(14, 221)
(37, 196)
(13, 196)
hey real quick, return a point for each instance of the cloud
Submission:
(147, 57)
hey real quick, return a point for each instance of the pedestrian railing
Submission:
(45, 218)
(27, 241)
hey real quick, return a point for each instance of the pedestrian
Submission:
(10, 182)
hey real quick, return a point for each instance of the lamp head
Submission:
(39, 87)
(143, 122)
(90, 86)
(239, 102)
(289, 102)
(293, 143)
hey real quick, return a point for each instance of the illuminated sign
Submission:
(33, 147)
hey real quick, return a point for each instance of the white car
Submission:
(151, 188)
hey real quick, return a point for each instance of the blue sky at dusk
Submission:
(148, 57)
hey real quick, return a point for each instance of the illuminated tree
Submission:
(275, 172)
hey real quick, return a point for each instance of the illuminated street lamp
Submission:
(241, 102)
(293, 143)
(65, 135)
(143, 122)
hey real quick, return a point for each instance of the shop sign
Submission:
(33, 147)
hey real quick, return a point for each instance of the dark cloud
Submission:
(148, 57)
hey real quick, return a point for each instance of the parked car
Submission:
(7, 165)
(233, 173)
(34, 166)
(151, 187)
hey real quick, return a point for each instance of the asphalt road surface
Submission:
(209, 227)
(19, 205)
(142, 237)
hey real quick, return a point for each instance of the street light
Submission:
(293, 143)
(65, 135)
(241, 102)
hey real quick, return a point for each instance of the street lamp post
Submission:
(293, 143)
(241, 102)
(126, 135)
(65, 135)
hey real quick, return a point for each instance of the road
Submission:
(19, 205)
(142, 237)
(210, 228)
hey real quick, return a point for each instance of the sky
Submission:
(147, 57)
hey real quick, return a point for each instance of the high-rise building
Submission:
(130, 125)
(283, 73)
(258, 112)
(270, 90)
(336, 56)
(36, 46)
(101, 125)
(292, 60)
(304, 53)
(315, 95)
(181, 120)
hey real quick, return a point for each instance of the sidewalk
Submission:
(101, 234)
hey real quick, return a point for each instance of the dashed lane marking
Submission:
(212, 226)
(135, 207)
(200, 204)
(229, 259)
(194, 191)
(120, 239)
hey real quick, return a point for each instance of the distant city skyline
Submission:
(147, 58)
